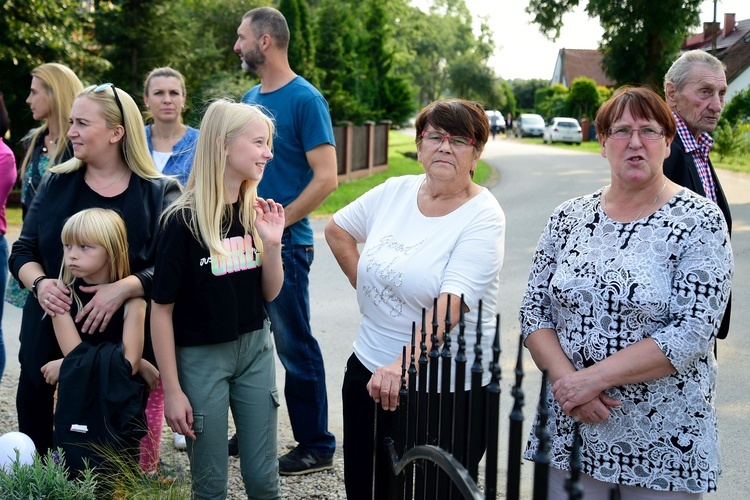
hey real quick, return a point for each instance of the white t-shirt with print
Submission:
(409, 259)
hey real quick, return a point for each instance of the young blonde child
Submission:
(100, 396)
(219, 259)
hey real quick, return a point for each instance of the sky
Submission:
(521, 51)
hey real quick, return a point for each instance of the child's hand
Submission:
(179, 414)
(51, 371)
(150, 374)
(269, 221)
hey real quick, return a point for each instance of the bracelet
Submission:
(36, 282)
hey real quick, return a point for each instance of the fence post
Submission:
(493, 416)
(513, 486)
(346, 148)
(541, 458)
(370, 145)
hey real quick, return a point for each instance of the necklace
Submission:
(47, 138)
(167, 138)
(111, 183)
(160, 138)
(604, 201)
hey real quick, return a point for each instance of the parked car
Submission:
(529, 125)
(561, 129)
(496, 119)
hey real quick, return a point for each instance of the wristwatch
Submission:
(36, 283)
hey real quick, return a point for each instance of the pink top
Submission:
(8, 176)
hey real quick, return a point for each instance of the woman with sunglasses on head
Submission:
(441, 235)
(625, 296)
(111, 169)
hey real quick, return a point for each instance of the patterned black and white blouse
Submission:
(603, 285)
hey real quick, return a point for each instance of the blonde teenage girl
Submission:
(219, 259)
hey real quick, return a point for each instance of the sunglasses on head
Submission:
(105, 86)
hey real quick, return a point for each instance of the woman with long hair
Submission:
(219, 259)
(111, 169)
(53, 89)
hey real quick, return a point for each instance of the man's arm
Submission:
(322, 160)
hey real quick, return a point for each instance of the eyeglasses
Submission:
(105, 86)
(625, 133)
(436, 139)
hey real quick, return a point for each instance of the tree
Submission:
(525, 92)
(738, 109)
(641, 37)
(438, 48)
(126, 31)
(510, 96)
(301, 39)
(583, 98)
(35, 32)
(552, 101)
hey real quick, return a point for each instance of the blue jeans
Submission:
(299, 352)
(240, 374)
(3, 282)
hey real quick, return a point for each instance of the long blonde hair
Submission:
(97, 226)
(62, 87)
(202, 205)
(134, 146)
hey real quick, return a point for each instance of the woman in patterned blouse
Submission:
(626, 292)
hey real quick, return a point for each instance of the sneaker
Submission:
(179, 441)
(234, 446)
(299, 461)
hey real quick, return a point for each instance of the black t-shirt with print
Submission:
(216, 298)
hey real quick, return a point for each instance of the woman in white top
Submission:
(435, 235)
(171, 142)
(172, 147)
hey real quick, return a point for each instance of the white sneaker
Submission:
(179, 441)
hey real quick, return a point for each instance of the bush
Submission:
(46, 478)
(728, 140)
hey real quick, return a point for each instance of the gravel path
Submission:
(321, 485)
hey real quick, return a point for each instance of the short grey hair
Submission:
(679, 72)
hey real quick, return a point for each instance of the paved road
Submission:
(532, 181)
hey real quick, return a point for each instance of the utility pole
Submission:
(715, 33)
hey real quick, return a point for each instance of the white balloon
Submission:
(12, 441)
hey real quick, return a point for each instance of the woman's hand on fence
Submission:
(384, 385)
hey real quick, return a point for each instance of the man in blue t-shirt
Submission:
(301, 175)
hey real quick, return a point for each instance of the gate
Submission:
(433, 445)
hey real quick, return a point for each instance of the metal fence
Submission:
(361, 150)
(436, 440)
